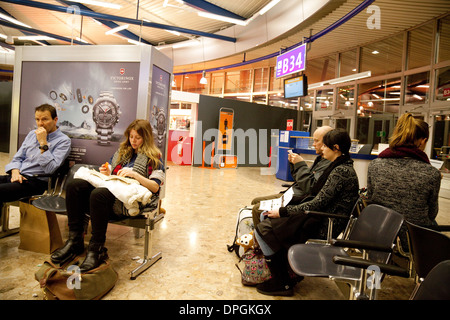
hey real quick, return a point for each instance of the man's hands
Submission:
(41, 135)
(294, 158)
(16, 176)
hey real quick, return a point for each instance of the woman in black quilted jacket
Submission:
(336, 192)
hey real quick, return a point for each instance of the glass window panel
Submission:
(277, 100)
(346, 98)
(383, 57)
(443, 84)
(192, 83)
(261, 79)
(444, 39)
(217, 83)
(238, 81)
(324, 100)
(347, 63)
(177, 82)
(321, 69)
(417, 87)
(260, 99)
(379, 97)
(307, 101)
(275, 84)
(419, 46)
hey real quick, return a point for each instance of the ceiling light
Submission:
(100, 4)
(203, 79)
(375, 52)
(35, 38)
(351, 77)
(268, 6)
(221, 18)
(117, 29)
(3, 36)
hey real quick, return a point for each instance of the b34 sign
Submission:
(292, 61)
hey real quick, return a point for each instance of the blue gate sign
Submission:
(292, 61)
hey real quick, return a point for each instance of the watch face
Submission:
(105, 114)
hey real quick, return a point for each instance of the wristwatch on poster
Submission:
(105, 114)
(160, 124)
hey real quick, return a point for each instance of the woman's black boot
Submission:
(280, 283)
(95, 256)
(73, 247)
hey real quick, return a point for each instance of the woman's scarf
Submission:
(405, 152)
(323, 178)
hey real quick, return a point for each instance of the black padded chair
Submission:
(54, 181)
(436, 285)
(146, 220)
(428, 248)
(373, 232)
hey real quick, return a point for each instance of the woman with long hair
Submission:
(402, 178)
(336, 191)
(137, 158)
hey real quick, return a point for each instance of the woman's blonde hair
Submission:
(148, 147)
(408, 131)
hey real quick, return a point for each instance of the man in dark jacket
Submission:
(304, 176)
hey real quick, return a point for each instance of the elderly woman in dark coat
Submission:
(336, 192)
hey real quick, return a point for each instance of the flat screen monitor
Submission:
(296, 87)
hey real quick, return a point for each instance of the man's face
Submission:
(318, 141)
(44, 120)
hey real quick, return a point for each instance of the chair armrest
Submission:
(442, 228)
(364, 264)
(326, 214)
(360, 245)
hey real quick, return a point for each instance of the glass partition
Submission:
(417, 87)
(346, 98)
(383, 57)
(324, 99)
(444, 39)
(420, 44)
(348, 63)
(379, 97)
(442, 84)
(217, 82)
(321, 69)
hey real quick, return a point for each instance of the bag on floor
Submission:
(254, 269)
(66, 284)
(244, 225)
(39, 229)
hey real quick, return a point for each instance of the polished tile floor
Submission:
(200, 221)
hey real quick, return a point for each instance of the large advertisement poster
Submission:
(95, 102)
(159, 105)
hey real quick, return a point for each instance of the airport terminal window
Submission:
(444, 39)
(238, 81)
(383, 57)
(274, 83)
(379, 97)
(261, 76)
(442, 84)
(321, 69)
(191, 83)
(307, 101)
(348, 63)
(217, 82)
(441, 141)
(420, 42)
(176, 83)
(324, 99)
(260, 98)
(346, 98)
(417, 87)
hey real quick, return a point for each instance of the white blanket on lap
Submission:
(127, 190)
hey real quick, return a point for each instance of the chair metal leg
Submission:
(4, 222)
(148, 262)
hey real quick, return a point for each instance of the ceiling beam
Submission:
(97, 16)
